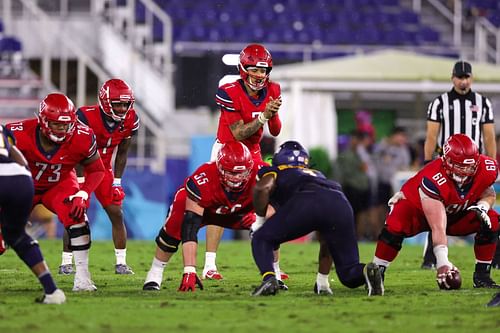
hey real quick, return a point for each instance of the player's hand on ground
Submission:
(78, 203)
(189, 282)
(443, 273)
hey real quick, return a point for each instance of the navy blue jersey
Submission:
(292, 179)
(6, 140)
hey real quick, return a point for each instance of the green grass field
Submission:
(412, 302)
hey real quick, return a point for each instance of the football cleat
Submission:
(284, 276)
(428, 265)
(373, 278)
(151, 286)
(267, 288)
(495, 301)
(57, 297)
(83, 284)
(495, 265)
(66, 269)
(323, 290)
(282, 285)
(123, 269)
(483, 280)
(211, 274)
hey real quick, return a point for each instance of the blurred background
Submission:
(354, 74)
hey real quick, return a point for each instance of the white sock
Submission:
(277, 271)
(67, 258)
(82, 262)
(210, 261)
(156, 271)
(121, 256)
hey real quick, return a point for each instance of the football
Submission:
(453, 280)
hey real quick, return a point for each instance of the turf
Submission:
(412, 302)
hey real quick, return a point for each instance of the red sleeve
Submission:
(94, 173)
(274, 125)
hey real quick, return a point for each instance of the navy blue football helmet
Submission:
(291, 153)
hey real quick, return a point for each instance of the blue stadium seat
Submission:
(10, 45)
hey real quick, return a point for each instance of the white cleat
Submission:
(57, 297)
(83, 284)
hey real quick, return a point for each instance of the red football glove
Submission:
(118, 195)
(78, 204)
(189, 282)
(247, 220)
(441, 274)
(2, 244)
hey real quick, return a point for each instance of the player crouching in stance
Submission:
(218, 193)
(305, 201)
(53, 145)
(452, 195)
(15, 208)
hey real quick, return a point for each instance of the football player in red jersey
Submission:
(454, 196)
(53, 145)
(218, 193)
(246, 106)
(114, 122)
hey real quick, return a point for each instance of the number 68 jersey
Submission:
(48, 168)
(434, 181)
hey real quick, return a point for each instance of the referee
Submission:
(459, 110)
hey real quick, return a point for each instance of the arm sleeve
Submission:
(94, 173)
(274, 125)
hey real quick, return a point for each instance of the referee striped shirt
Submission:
(463, 114)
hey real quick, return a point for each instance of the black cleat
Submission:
(495, 301)
(268, 287)
(495, 265)
(151, 286)
(374, 281)
(282, 285)
(483, 280)
(428, 265)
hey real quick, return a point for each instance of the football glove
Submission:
(189, 282)
(78, 204)
(441, 274)
(248, 219)
(482, 213)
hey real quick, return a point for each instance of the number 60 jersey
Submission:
(434, 181)
(48, 168)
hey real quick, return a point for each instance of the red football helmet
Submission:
(116, 91)
(255, 55)
(235, 164)
(461, 158)
(59, 111)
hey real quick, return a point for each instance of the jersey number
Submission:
(201, 178)
(55, 169)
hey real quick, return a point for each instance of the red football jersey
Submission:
(434, 182)
(108, 134)
(236, 104)
(204, 186)
(50, 168)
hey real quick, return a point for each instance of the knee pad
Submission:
(28, 250)
(393, 240)
(486, 236)
(166, 242)
(190, 226)
(79, 236)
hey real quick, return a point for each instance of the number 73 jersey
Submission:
(434, 182)
(48, 168)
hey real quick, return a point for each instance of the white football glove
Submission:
(481, 211)
(259, 222)
(395, 198)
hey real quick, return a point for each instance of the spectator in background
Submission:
(391, 155)
(459, 111)
(352, 175)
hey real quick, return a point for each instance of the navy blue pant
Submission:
(16, 200)
(323, 210)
